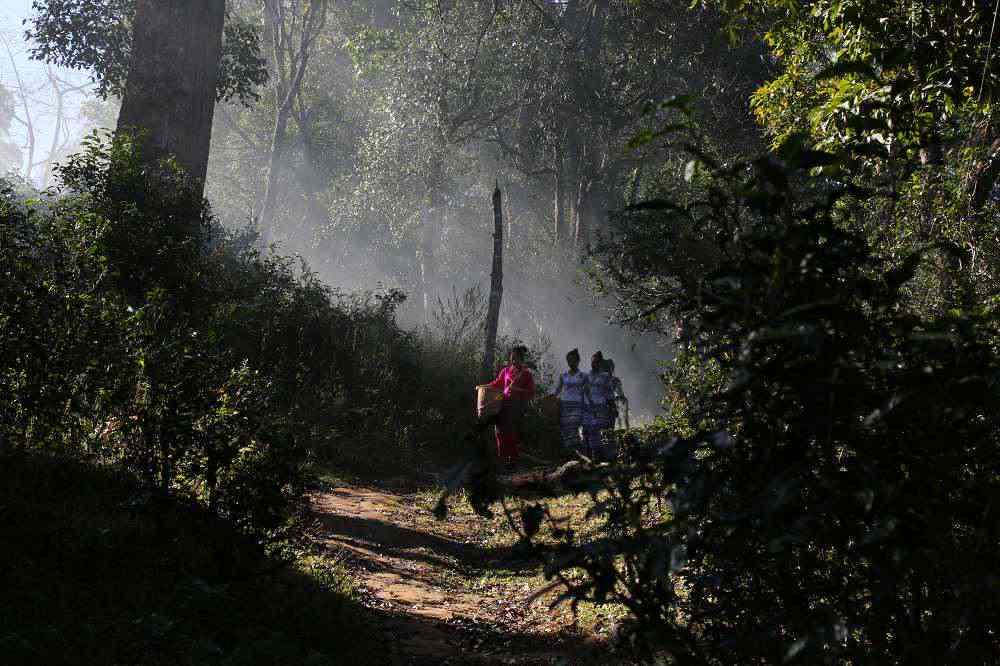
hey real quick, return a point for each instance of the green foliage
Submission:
(829, 451)
(95, 571)
(832, 492)
(893, 75)
(134, 330)
(85, 34)
(904, 92)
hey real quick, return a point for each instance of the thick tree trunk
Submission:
(496, 289)
(170, 91)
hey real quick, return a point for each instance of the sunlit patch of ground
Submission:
(461, 590)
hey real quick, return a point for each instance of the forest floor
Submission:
(456, 591)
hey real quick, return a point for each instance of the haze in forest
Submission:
(242, 326)
(378, 189)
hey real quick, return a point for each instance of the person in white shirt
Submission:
(571, 391)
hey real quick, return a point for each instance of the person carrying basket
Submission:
(517, 386)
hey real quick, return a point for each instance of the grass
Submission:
(93, 572)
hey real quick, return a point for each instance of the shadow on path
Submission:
(422, 579)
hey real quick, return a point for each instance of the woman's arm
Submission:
(559, 387)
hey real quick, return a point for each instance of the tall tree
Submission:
(291, 28)
(98, 36)
(169, 61)
(170, 90)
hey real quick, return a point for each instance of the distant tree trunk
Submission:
(28, 121)
(59, 124)
(430, 232)
(289, 63)
(572, 179)
(584, 215)
(273, 163)
(601, 193)
(170, 91)
(559, 212)
(308, 176)
(496, 288)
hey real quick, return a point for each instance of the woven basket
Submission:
(489, 400)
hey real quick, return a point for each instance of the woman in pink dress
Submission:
(518, 386)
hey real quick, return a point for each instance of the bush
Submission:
(832, 492)
(93, 575)
(451, 350)
(135, 331)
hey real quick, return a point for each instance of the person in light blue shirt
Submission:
(571, 391)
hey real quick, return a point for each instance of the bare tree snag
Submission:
(171, 87)
(496, 288)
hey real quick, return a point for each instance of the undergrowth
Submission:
(93, 571)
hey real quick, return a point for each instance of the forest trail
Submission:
(447, 596)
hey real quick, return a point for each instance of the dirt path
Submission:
(449, 598)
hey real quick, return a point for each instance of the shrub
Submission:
(133, 330)
(832, 496)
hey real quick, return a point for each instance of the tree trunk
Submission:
(602, 190)
(496, 289)
(309, 178)
(170, 91)
(584, 215)
(429, 234)
(560, 197)
(287, 86)
(59, 124)
(271, 184)
(573, 172)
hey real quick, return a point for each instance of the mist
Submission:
(402, 125)
(245, 331)
(398, 131)
(551, 316)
